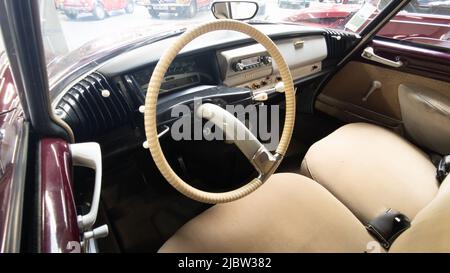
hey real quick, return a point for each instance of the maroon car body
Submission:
(424, 24)
(59, 228)
(58, 225)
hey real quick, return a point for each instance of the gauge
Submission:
(180, 74)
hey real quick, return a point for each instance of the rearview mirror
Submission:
(238, 10)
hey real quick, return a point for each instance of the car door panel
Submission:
(426, 116)
(346, 95)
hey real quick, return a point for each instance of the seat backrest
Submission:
(430, 229)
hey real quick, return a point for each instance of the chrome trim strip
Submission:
(14, 225)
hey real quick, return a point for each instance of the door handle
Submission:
(89, 155)
(369, 54)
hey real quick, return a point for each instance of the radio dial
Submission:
(238, 66)
(251, 63)
(266, 60)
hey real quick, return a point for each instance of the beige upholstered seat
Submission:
(292, 213)
(430, 229)
(370, 169)
(366, 167)
(289, 213)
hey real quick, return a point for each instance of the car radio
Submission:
(244, 64)
(251, 62)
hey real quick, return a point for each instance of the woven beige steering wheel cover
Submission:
(151, 99)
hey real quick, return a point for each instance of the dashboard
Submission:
(247, 66)
(224, 67)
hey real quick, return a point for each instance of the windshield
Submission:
(79, 28)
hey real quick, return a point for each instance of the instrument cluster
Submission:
(180, 74)
(184, 72)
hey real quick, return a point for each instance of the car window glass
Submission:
(9, 126)
(73, 31)
(425, 22)
(2, 46)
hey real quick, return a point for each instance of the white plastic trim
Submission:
(231, 126)
(89, 155)
(369, 54)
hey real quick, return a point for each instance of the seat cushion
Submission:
(371, 169)
(289, 213)
(430, 230)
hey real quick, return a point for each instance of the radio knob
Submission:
(238, 66)
(255, 86)
(266, 60)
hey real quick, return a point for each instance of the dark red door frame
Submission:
(58, 222)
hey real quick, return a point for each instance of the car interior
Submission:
(362, 143)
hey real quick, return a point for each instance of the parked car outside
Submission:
(98, 8)
(422, 22)
(293, 3)
(184, 8)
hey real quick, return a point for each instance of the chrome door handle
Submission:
(369, 54)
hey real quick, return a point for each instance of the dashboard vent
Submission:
(338, 42)
(89, 112)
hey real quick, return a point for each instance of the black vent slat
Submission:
(78, 110)
(109, 119)
(113, 109)
(98, 117)
(117, 109)
(87, 105)
(122, 97)
(70, 117)
(121, 108)
(84, 108)
(88, 113)
(338, 42)
(98, 103)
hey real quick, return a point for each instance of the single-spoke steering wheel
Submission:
(265, 162)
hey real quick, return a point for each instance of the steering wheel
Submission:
(264, 161)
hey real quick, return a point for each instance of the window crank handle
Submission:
(375, 85)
